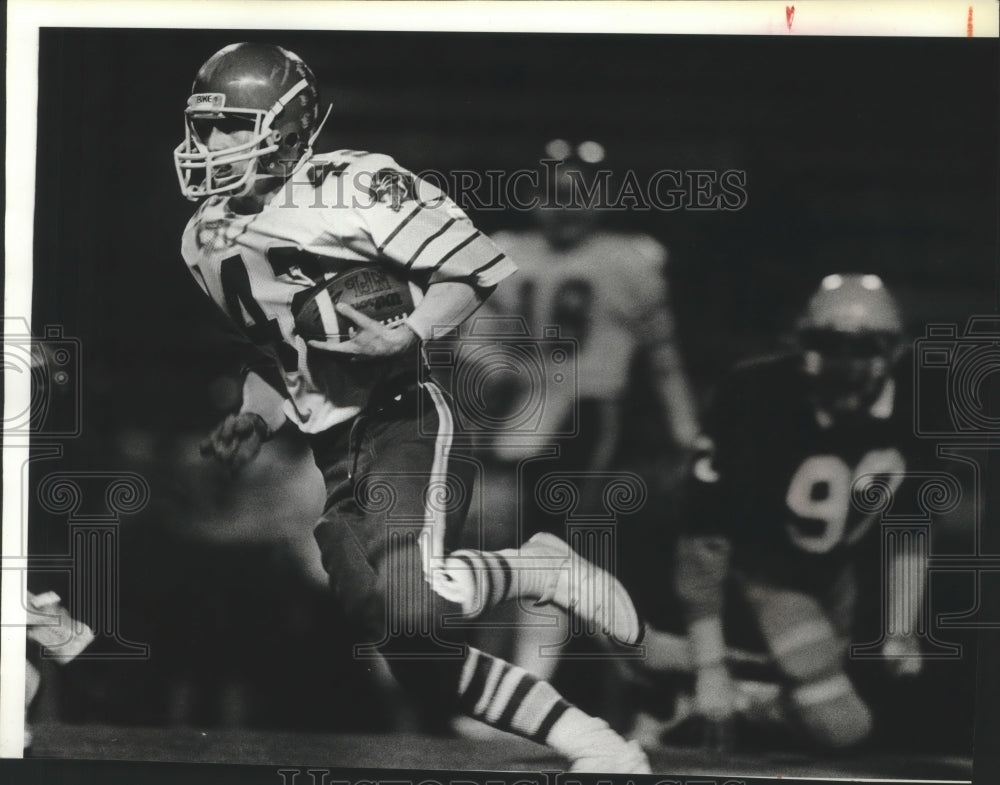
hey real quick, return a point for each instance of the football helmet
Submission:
(260, 88)
(570, 191)
(850, 334)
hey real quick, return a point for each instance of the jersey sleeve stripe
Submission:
(493, 274)
(423, 246)
(475, 235)
(477, 260)
(491, 263)
(402, 225)
(422, 242)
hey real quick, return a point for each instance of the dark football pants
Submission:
(808, 638)
(390, 480)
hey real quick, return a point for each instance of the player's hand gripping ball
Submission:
(359, 312)
(373, 290)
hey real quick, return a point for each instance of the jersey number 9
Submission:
(819, 494)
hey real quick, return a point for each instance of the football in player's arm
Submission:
(276, 243)
(768, 506)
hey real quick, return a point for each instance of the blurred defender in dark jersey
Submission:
(788, 443)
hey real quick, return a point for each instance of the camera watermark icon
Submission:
(952, 379)
(51, 364)
(505, 382)
(94, 560)
(91, 565)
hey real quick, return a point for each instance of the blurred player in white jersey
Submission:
(276, 225)
(607, 291)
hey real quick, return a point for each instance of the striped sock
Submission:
(481, 580)
(476, 580)
(508, 697)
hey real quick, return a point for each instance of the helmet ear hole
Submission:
(292, 139)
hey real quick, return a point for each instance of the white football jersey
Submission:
(608, 293)
(341, 209)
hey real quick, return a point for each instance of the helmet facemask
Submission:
(280, 151)
(850, 337)
(847, 371)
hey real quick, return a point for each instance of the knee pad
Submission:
(831, 712)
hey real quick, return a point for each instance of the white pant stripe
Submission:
(435, 520)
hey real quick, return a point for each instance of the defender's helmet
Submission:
(260, 88)
(850, 334)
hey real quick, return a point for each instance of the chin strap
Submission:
(309, 145)
(319, 127)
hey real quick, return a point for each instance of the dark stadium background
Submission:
(861, 154)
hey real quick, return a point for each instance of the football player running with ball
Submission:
(276, 227)
(789, 441)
